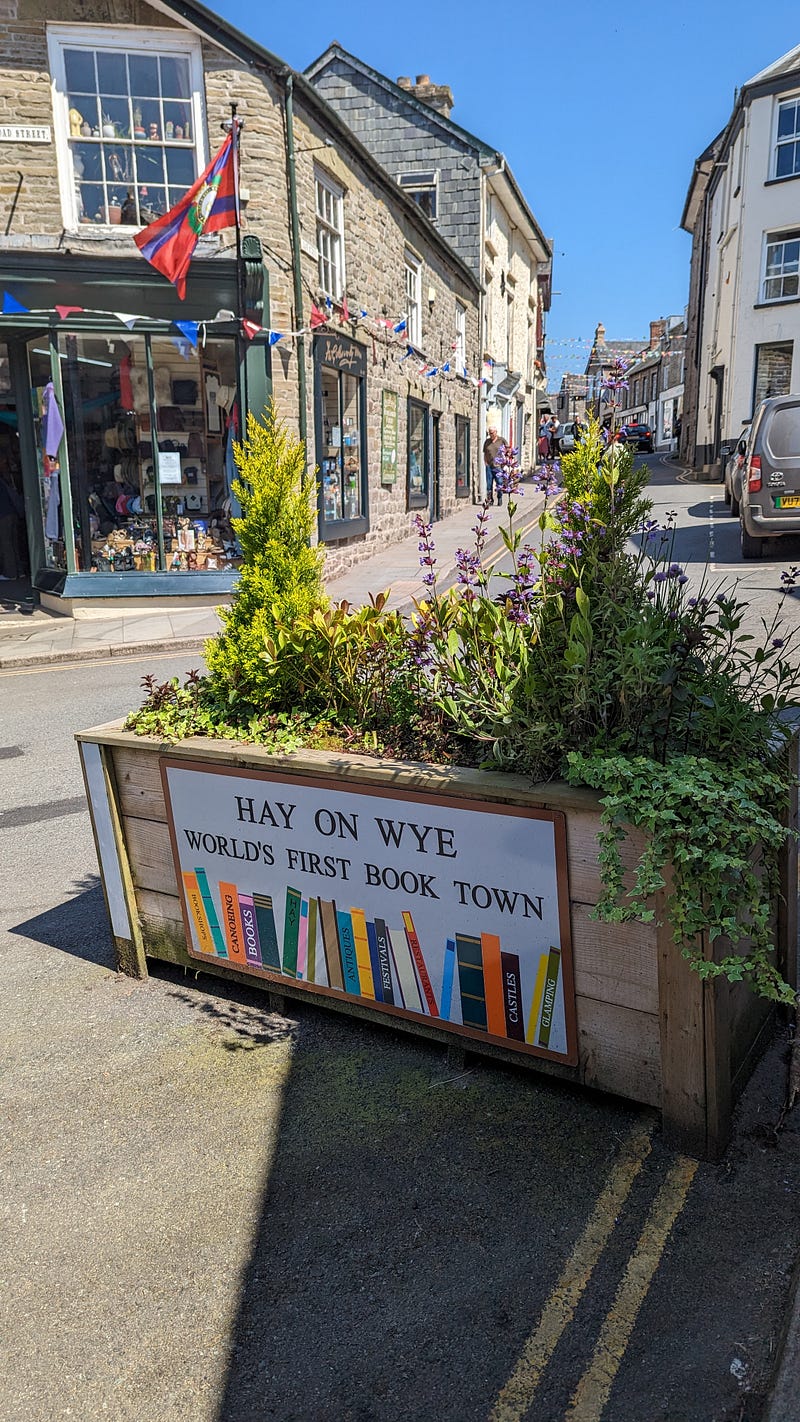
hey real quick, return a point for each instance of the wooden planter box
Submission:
(640, 1024)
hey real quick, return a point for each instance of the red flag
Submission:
(65, 311)
(345, 309)
(210, 204)
(250, 328)
(318, 318)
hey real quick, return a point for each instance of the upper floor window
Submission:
(330, 235)
(413, 271)
(460, 353)
(128, 123)
(782, 266)
(787, 142)
(422, 187)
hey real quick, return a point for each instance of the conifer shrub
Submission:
(281, 571)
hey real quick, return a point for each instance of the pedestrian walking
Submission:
(492, 448)
(552, 430)
(543, 441)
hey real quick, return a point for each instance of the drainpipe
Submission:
(294, 221)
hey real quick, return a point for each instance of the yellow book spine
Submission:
(536, 1005)
(195, 901)
(363, 963)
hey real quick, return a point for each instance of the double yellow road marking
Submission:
(592, 1392)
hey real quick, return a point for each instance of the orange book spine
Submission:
(197, 909)
(232, 922)
(493, 985)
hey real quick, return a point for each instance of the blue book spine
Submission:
(372, 939)
(447, 979)
(211, 913)
(347, 948)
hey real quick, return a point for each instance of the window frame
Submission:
(412, 268)
(334, 530)
(775, 239)
(418, 501)
(460, 353)
(757, 349)
(782, 100)
(463, 425)
(335, 230)
(427, 182)
(132, 40)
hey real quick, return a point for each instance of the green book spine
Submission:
(549, 999)
(291, 931)
(211, 912)
(265, 921)
(470, 981)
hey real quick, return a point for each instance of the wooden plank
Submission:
(150, 854)
(157, 907)
(130, 952)
(139, 783)
(584, 870)
(619, 1050)
(616, 963)
(683, 1046)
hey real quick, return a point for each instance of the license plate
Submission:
(788, 501)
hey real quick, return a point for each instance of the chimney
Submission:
(657, 330)
(600, 334)
(436, 96)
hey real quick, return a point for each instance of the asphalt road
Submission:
(217, 1213)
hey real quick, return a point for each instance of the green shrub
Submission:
(281, 572)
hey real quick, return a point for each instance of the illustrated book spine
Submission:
(470, 981)
(448, 974)
(347, 948)
(384, 949)
(291, 931)
(549, 999)
(194, 899)
(363, 961)
(247, 913)
(229, 898)
(374, 961)
(312, 940)
(420, 964)
(406, 975)
(330, 943)
(302, 943)
(211, 912)
(512, 996)
(493, 985)
(267, 933)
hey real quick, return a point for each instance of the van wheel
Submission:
(751, 547)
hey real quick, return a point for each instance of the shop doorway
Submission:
(15, 564)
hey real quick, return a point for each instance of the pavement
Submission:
(36, 637)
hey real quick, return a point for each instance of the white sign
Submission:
(169, 467)
(434, 908)
(18, 133)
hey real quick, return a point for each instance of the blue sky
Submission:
(600, 109)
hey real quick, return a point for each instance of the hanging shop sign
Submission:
(340, 353)
(448, 912)
(389, 436)
(20, 133)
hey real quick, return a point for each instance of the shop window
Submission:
(339, 372)
(462, 457)
(127, 111)
(418, 455)
(149, 494)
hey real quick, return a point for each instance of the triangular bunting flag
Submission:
(12, 307)
(126, 318)
(434, 370)
(401, 326)
(251, 328)
(182, 346)
(274, 337)
(65, 311)
(189, 329)
(345, 309)
(409, 352)
(318, 318)
(446, 368)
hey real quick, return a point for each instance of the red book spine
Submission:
(419, 963)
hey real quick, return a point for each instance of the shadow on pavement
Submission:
(78, 926)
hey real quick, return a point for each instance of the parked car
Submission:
(732, 479)
(770, 476)
(641, 435)
(566, 438)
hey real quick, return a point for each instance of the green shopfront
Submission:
(133, 499)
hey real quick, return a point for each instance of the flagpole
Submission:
(240, 278)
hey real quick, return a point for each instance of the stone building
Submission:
(469, 191)
(741, 210)
(605, 358)
(123, 108)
